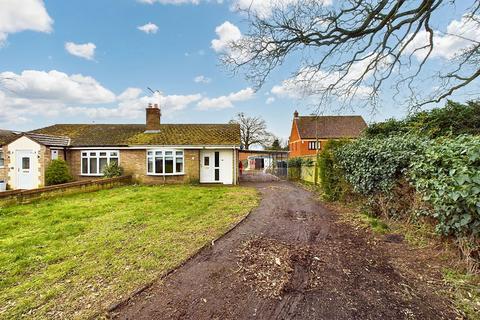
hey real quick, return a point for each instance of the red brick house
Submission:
(151, 152)
(309, 133)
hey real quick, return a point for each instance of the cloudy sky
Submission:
(91, 61)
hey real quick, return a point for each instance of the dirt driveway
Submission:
(289, 259)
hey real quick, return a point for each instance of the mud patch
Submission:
(272, 268)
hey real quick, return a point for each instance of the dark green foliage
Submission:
(452, 120)
(332, 179)
(295, 162)
(112, 170)
(447, 174)
(374, 165)
(57, 172)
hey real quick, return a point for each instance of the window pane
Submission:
(179, 165)
(158, 165)
(84, 165)
(103, 164)
(84, 154)
(217, 159)
(93, 166)
(25, 163)
(179, 153)
(217, 174)
(113, 154)
(93, 154)
(103, 154)
(158, 153)
(168, 164)
(150, 153)
(168, 153)
(206, 161)
(115, 160)
(2, 159)
(150, 165)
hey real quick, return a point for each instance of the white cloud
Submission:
(148, 28)
(57, 86)
(227, 33)
(270, 100)
(30, 94)
(86, 50)
(21, 15)
(170, 1)
(264, 8)
(202, 79)
(224, 102)
(460, 34)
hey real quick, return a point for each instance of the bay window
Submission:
(165, 162)
(94, 162)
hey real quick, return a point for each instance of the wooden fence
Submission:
(24, 196)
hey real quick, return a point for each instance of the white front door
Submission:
(25, 169)
(216, 166)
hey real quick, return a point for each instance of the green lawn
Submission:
(72, 257)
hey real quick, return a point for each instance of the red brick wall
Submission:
(299, 147)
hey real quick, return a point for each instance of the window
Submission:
(54, 154)
(94, 162)
(312, 145)
(164, 162)
(2, 159)
(206, 161)
(26, 163)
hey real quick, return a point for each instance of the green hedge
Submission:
(447, 175)
(332, 180)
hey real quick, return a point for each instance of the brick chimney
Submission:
(153, 117)
(295, 115)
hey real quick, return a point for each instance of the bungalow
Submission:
(152, 152)
(309, 133)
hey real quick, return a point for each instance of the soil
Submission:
(292, 259)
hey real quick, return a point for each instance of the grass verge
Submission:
(72, 257)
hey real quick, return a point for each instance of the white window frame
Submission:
(97, 156)
(151, 153)
(2, 156)
(315, 144)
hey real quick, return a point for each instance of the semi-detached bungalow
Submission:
(151, 153)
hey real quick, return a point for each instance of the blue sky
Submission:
(125, 61)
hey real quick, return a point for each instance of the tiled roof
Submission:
(311, 127)
(6, 136)
(49, 140)
(134, 134)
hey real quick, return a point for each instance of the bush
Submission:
(447, 175)
(295, 162)
(452, 120)
(374, 165)
(57, 172)
(112, 170)
(332, 179)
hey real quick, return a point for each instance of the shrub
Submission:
(332, 179)
(295, 162)
(112, 170)
(374, 165)
(447, 175)
(57, 172)
(451, 120)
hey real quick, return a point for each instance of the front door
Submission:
(209, 166)
(25, 169)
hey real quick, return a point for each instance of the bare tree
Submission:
(253, 130)
(349, 49)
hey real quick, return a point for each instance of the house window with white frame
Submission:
(312, 145)
(94, 162)
(165, 162)
(2, 159)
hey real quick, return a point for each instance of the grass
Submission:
(465, 289)
(72, 257)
